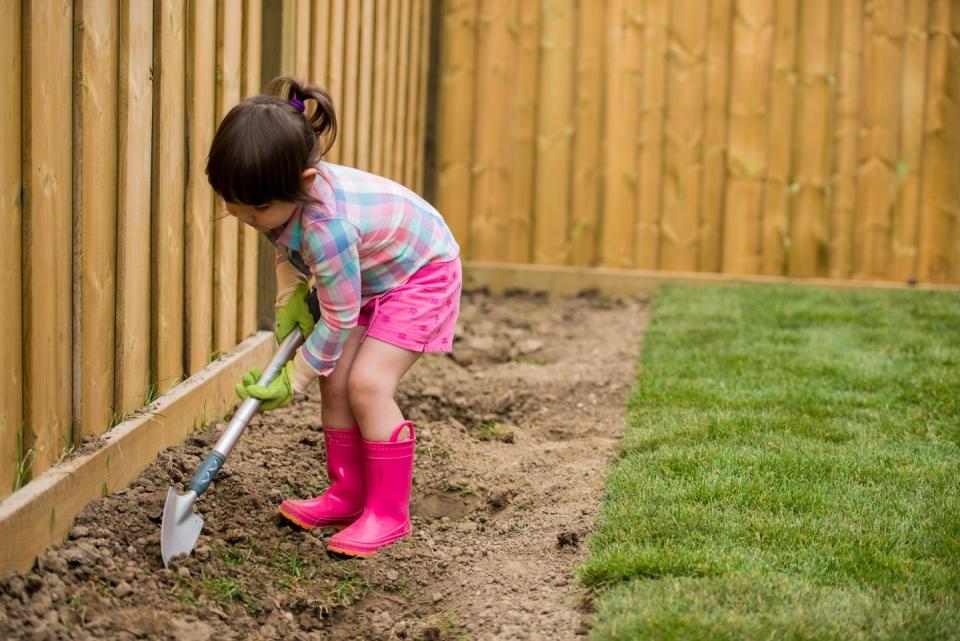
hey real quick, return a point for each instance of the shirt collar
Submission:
(290, 234)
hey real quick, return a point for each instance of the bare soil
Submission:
(515, 431)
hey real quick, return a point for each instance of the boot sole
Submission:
(362, 554)
(293, 519)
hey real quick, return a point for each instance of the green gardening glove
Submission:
(277, 394)
(295, 313)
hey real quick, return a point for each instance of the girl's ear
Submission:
(308, 175)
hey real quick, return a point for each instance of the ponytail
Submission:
(320, 114)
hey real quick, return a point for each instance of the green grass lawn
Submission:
(790, 470)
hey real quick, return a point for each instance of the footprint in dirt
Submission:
(438, 505)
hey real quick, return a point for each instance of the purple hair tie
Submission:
(299, 105)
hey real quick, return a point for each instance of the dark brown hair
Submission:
(265, 143)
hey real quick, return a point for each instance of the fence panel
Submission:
(774, 137)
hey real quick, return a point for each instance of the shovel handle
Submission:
(241, 418)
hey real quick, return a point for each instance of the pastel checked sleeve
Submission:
(329, 247)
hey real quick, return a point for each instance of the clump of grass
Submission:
(493, 431)
(183, 592)
(226, 591)
(349, 588)
(293, 567)
(78, 609)
(233, 556)
(462, 489)
(25, 459)
(150, 394)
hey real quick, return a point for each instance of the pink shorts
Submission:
(421, 314)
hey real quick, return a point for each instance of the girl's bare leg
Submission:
(374, 375)
(335, 409)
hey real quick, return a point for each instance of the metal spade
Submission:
(180, 527)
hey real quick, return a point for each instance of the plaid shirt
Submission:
(367, 237)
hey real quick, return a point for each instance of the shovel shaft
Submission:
(241, 418)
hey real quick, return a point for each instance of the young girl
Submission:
(387, 273)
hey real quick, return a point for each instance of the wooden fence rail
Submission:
(779, 137)
(119, 276)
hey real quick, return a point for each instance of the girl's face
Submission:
(263, 218)
(270, 215)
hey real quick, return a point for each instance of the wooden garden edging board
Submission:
(41, 513)
(558, 279)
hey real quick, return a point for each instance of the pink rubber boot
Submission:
(342, 503)
(386, 513)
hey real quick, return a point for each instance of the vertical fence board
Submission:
(351, 69)
(521, 130)
(46, 230)
(400, 115)
(940, 196)
(423, 96)
(846, 137)
(226, 229)
(301, 39)
(622, 100)
(338, 15)
(952, 195)
(776, 191)
(912, 88)
(880, 134)
(807, 254)
(201, 114)
(168, 197)
(365, 90)
(680, 223)
(652, 118)
(393, 61)
(489, 188)
(456, 107)
(249, 237)
(133, 211)
(747, 158)
(715, 133)
(587, 134)
(11, 212)
(95, 213)
(551, 214)
(319, 43)
(413, 91)
(380, 67)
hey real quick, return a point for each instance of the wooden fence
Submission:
(119, 275)
(784, 137)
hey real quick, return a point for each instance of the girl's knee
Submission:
(365, 386)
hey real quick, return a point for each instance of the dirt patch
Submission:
(515, 432)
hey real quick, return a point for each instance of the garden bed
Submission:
(515, 432)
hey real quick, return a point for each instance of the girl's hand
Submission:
(277, 394)
(295, 313)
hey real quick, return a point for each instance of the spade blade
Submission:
(180, 527)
